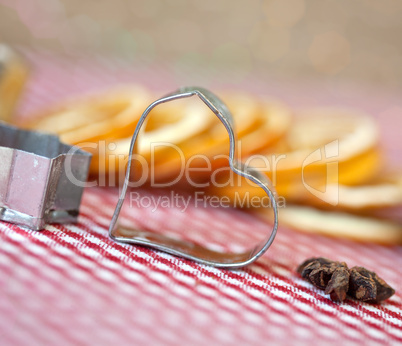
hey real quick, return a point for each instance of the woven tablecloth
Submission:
(70, 284)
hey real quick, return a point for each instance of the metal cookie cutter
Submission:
(41, 179)
(184, 248)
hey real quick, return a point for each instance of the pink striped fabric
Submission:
(70, 284)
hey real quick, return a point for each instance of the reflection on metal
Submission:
(41, 179)
(187, 249)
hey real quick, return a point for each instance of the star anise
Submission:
(331, 276)
(368, 286)
(339, 281)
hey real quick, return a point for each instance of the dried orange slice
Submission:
(212, 142)
(258, 125)
(13, 75)
(275, 120)
(382, 192)
(323, 146)
(196, 129)
(190, 121)
(106, 115)
(169, 125)
(339, 224)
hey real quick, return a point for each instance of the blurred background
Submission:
(358, 42)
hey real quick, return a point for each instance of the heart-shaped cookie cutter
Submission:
(183, 248)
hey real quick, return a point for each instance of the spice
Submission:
(367, 286)
(339, 281)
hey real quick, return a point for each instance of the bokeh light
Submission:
(358, 41)
(283, 13)
(329, 52)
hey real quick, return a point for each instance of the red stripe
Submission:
(231, 275)
(75, 249)
(305, 290)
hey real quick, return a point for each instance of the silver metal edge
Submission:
(222, 112)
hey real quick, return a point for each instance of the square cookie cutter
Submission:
(41, 179)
